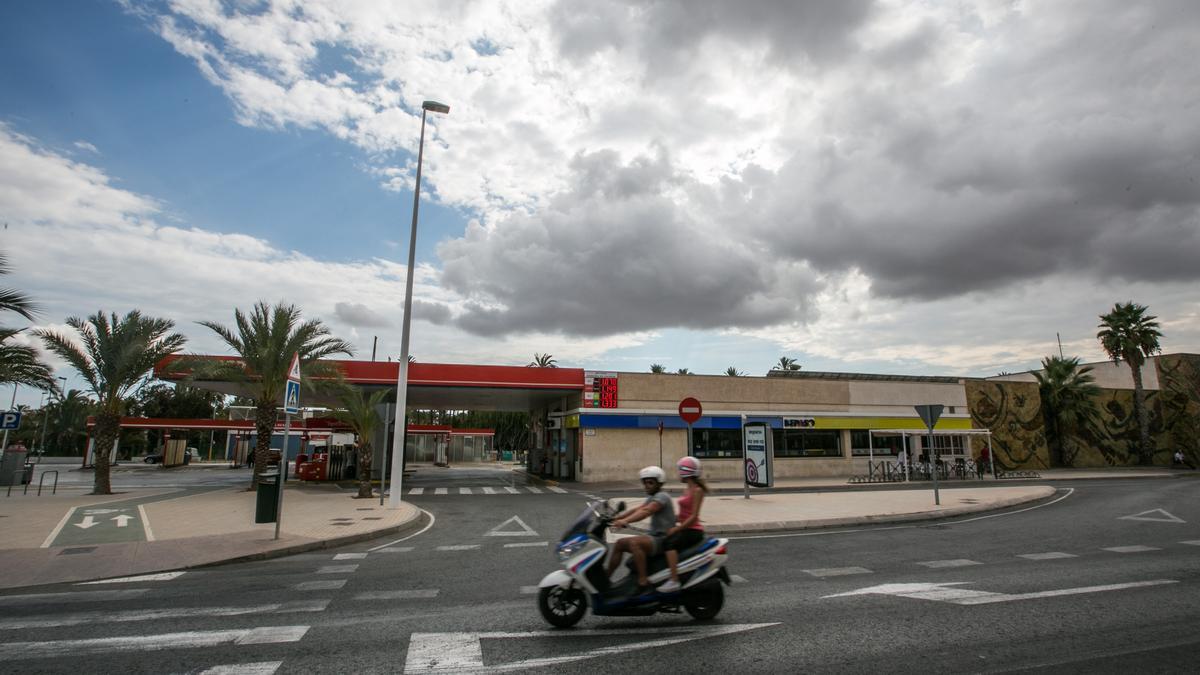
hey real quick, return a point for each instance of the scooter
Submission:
(564, 595)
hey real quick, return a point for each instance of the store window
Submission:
(861, 444)
(948, 445)
(716, 443)
(808, 443)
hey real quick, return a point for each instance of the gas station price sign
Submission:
(599, 390)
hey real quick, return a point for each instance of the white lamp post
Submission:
(402, 379)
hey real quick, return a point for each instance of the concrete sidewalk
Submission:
(71, 537)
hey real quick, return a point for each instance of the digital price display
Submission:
(599, 390)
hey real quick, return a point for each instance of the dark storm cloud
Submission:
(359, 315)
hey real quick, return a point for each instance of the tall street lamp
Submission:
(402, 378)
(42, 445)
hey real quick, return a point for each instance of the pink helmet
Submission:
(689, 467)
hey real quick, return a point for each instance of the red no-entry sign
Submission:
(690, 410)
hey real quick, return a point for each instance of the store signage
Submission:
(599, 390)
(758, 451)
(799, 423)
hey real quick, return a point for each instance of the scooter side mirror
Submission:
(620, 507)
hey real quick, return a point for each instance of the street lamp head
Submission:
(434, 106)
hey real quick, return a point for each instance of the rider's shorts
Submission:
(683, 540)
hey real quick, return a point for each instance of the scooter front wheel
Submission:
(705, 601)
(562, 607)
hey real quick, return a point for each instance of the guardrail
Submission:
(892, 472)
(1015, 475)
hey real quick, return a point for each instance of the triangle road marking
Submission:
(500, 531)
(1162, 517)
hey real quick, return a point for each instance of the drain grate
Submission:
(341, 524)
(77, 550)
(369, 508)
(373, 518)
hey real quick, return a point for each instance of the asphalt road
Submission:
(1033, 589)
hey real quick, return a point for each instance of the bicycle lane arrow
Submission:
(111, 522)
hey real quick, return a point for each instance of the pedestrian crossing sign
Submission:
(291, 399)
(294, 369)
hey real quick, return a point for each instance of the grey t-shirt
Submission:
(664, 518)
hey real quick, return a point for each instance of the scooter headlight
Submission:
(570, 548)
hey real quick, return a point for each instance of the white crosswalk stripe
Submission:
(837, 571)
(259, 668)
(1049, 555)
(398, 595)
(489, 491)
(164, 576)
(527, 544)
(511, 490)
(737, 578)
(337, 569)
(395, 549)
(417, 491)
(78, 596)
(83, 618)
(957, 562)
(464, 491)
(529, 590)
(331, 585)
(460, 547)
(1194, 542)
(439, 491)
(187, 640)
(557, 489)
(1131, 549)
(533, 489)
(350, 556)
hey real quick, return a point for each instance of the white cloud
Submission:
(84, 145)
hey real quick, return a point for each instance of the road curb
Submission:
(544, 481)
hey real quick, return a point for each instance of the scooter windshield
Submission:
(580, 526)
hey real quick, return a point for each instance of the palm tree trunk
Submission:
(1145, 450)
(364, 471)
(108, 425)
(264, 427)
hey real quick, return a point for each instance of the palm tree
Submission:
(732, 371)
(1068, 395)
(116, 354)
(657, 368)
(543, 361)
(19, 364)
(786, 364)
(67, 420)
(683, 371)
(1128, 334)
(12, 300)
(360, 414)
(265, 342)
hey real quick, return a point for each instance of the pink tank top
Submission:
(685, 511)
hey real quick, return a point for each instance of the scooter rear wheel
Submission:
(562, 607)
(705, 601)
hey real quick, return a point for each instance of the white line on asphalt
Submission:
(337, 569)
(965, 596)
(1070, 491)
(331, 585)
(1131, 549)
(58, 528)
(529, 590)
(191, 639)
(164, 576)
(838, 571)
(82, 618)
(511, 490)
(260, 668)
(957, 562)
(489, 491)
(393, 549)
(432, 520)
(460, 547)
(416, 491)
(1051, 555)
(465, 491)
(439, 491)
(77, 596)
(398, 595)
(737, 578)
(525, 544)
(145, 522)
(1194, 542)
(557, 489)
(533, 489)
(350, 556)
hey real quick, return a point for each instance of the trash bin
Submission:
(267, 501)
(28, 478)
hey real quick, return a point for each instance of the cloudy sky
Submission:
(869, 186)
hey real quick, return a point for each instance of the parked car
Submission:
(156, 457)
(153, 458)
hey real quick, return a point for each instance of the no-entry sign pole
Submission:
(690, 412)
(929, 415)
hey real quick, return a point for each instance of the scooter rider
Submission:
(659, 508)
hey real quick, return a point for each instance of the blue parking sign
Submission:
(10, 420)
(291, 398)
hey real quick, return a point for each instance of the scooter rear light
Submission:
(720, 550)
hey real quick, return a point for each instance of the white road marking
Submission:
(525, 530)
(529, 590)
(260, 668)
(461, 547)
(533, 489)
(463, 652)
(439, 491)
(398, 595)
(393, 549)
(337, 569)
(1051, 555)
(145, 523)
(1194, 542)
(737, 578)
(123, 520)
(489, 491)
(77, 596)
(523, 544)
(350, 556)
(1131, 549)
(423, 530)
(164, 576)
(511, 490)
(417, 491)
(557, 489)
(87, 522)
(958, 562)
(192, 639)
(58, 528)
(82, 618)
(965, 596)
(1162, 517)
(465, 491)
(838, 571)
(331, 585)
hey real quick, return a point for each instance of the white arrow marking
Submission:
(966, 596)
(1164, 517)
(123, 520)
(161, 576)
(499, 531)
(463, 652)
(85, 523)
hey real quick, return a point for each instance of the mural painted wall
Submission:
(1013, 412)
